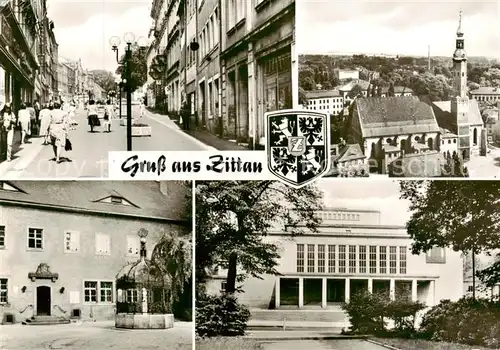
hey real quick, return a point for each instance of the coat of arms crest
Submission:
(298, 145)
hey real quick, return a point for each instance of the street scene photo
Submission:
(355, 265)
(413, 89)
(184, 75)
(96, 265)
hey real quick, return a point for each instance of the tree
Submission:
(233, 218)
(138, 68)
(356, 91)
(104, 79)
(464, 215)
(172, 260)
(302, 97)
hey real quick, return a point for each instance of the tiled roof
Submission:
(486, 90)
(147, 199)
(445, 133)
(427, 164)
(385, 116)
(444, 117)
(349, 152)
(348, 87)
(322, 94)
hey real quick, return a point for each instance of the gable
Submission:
(116, 199)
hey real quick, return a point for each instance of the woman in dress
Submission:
(9, 122)
(24, 119)
(108, 113)
(71, 115)
(58, 131)
(92, 115)
(44, 117)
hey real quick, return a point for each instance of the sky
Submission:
(397, 27)
(373, 194)
(83, 28)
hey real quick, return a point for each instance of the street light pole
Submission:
(128, 54)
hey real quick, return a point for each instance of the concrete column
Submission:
(252, 95)
(432, 293)
(301, 292)
(370, 285)
(392, 289)
(324, 293)
(414, 295)
(347, 289)
(277, 290)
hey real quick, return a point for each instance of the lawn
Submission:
(419, 344)
(228, 343)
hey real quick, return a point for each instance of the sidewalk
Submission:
(297, 335)
(204, 136)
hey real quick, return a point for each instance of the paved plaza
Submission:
(94, 336)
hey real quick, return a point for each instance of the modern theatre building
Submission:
(351, 251)
(62, 243)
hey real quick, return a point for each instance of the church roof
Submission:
(443, 113)
(349, 152)
(387, 116)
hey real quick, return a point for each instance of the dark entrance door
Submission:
(43, 300)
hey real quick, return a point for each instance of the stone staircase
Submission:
(45, 320)
(298, 319)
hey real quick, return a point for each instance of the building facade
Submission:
(351, 252)
(66, 80)
(257, 59)
(60, 254)
(18, 55)
(330, 101)
(486, 94)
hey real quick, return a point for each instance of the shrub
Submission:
(368, 313)
(467, 321)
(220, 315)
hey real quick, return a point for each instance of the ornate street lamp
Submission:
(129, 39)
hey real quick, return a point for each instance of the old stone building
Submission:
(63, 242)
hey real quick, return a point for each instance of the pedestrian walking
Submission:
(33, 124)
(185, 115)
(92, 116)
(141, 108)
(58, 131)
(71, 116)
(45, 115)
(9, 122)
(108, 113)
(24, 120)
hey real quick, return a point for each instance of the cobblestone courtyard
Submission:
(95, 336)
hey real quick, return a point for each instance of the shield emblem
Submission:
(298, 145)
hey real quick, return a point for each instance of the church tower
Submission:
(460, 100)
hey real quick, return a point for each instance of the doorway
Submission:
(43, 301)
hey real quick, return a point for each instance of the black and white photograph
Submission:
(96, 265)
(81, 78)
(347, 265)
(412, 87)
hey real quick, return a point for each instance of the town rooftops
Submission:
(386, 116)
(348, 87)
(398, 90)
(135, 199)
(322, 94)
(348, 152)
(447, 134)
(486, 90)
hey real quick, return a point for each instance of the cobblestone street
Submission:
(95, 336)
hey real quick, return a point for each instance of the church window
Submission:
(449, 141)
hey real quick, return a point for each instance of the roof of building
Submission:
(486, 90)
(427, 164)
(398, 89)
(322, 94)
(446, 134)
(140, 199)
(348, 152)
(442, 111)
(387, 116)
(362, 83)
